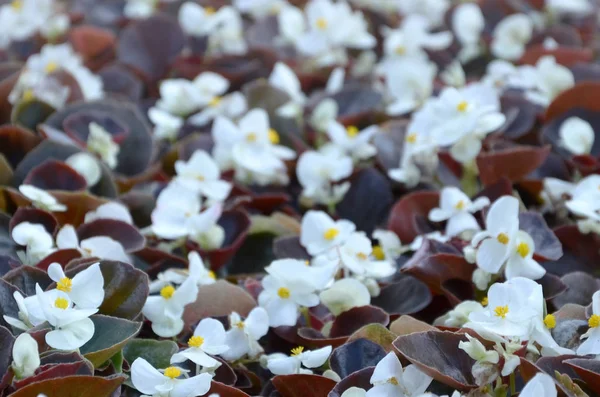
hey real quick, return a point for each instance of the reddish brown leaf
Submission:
(74, 386)
(408, 214)
(513, 163)
(298, 385)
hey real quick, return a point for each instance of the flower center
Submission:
(28, 95)
(273, 136)
(17, 5)
(215, 101)
(411, 138)
(200, 178)
(393, 381)
(462, 106)
(400, 50)
(550, 321)
(61, 303)
(523, 249)
(460, 205)
(322, 23)
(502, 238)
(378, 253)
(296, 351)
(64, 284)
(195, 341)
(212, 275)
(209, 10)
(484, 301)
(283, 293)
(167, 291)
(240, 325)
(594, 321)
(51, 67)
(251, 137)
(352, 131)
(362, 256)
(331, 233)
(172, 372)
(501, 311)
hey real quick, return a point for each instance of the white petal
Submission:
(145, 377)
(71, 336)
(316, 358)
(196, 385)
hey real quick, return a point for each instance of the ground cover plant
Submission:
(296, 198)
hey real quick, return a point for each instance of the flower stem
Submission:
(306, 315)
(512, 384)
(468, 180)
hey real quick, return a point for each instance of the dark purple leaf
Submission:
(352, 320)
(128, 235)
(55, 175)
(289, 247)
(360, 379)
(406, 296)
(354, 356)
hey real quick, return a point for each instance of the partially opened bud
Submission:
(26, 358)
(344, 295)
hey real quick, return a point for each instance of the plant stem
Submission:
(469, 179)
(512, 384)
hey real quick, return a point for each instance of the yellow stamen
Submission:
(393, 381)
(212, 275)
(195, 341)
(172, 372)
(240, 325)
(400, 50)
(28, 95)
(167, 291)
(209, 10)
(523, 249)
(296, 351)
(61, 303)
(460, 205)
(17, 5)
(215, 101)
(462, 106)
(502, 238)
(322, 23)
(283, 293)
(501, 311)
(200, 178)
(352, 131)
(330, 234)
(550, 321)
(65, 284)
(251, 137)
(484, 301)
(362, 256)
(411, 138)
(594, 321)
(51, 67)
(307, 263)
(273, 136)
(378, 253)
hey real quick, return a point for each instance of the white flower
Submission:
(179, 97)
(26, 357)
(436, 236)
(72, 326)
(477, 351)
(323, 114)
(100, 142)
(390, 247)
(468, 24)
(549, 80)
(201, 174)
(511, 35)
(110, 210)
(355, 255)
(291, 284)
(412, 38)
(573, 7)
(211, 86)
(243, 335)
(208, 340)
(293, 364)
(454, 75)
(507, 313)
(335, 82)
(102, 247)
(409, 82)
(511, 360)
(85, 289)
(432, 10)
(541, 384)
(353, 141)
(576, 135)
(36, 240)
(166, 126)
(463, 117)
(41, 199)
(345, 294)
(457, 208)
(230, 106)
(459, 316)
(197, 271)
(320, 233)
(139, 9)
(284, 78)
(22, 19)
(317, 171)
(591, 345)
(29, 314)
(152, 382)
(166, 309)
(251, 148)
(87, 166)
(196, 20)
(503, 242)
(389, 379)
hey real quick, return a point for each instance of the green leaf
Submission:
(156, 352)
(117, 361)
(375, 333)
(73, 386)
(110, 335)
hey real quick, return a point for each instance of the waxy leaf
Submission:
(110, 335)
